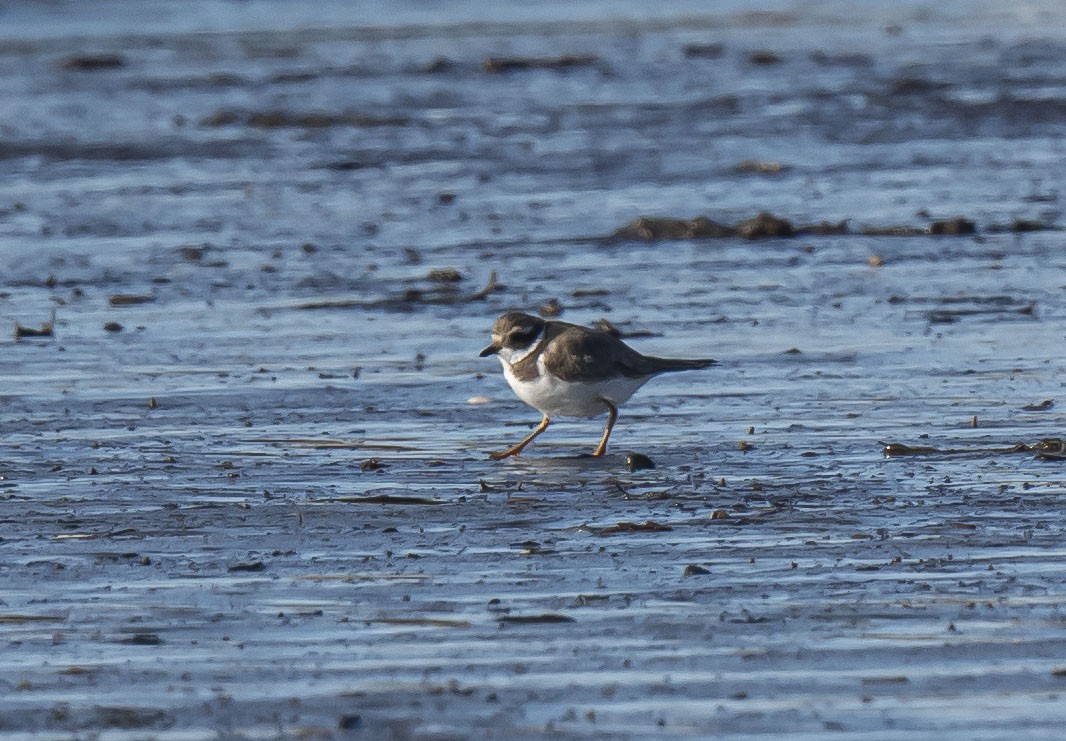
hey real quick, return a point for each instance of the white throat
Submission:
(509, 356)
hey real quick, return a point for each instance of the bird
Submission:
(567, 370)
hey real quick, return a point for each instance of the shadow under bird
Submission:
(567, 370)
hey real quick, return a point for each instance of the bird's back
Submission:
(584, 354)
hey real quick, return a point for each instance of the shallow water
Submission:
(264, 501)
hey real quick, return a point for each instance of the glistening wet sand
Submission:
(244, 494)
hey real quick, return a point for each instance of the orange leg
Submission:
(522, 445)
(612, 417)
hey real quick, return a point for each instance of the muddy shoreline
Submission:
(243, 470)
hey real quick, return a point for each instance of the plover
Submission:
(567, 370)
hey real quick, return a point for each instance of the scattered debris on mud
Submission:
(498, 65)
(768, 226)
(1051, 448)
(442, 293)
(47, 329)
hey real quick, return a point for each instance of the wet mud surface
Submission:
(244, 486)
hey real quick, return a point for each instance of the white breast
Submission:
(549, 395)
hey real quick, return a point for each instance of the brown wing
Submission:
(583, 354)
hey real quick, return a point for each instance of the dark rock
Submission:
(639, 462)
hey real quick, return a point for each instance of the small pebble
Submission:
(639, 462)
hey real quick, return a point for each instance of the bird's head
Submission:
(513, 335)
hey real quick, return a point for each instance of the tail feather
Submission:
(668, 365)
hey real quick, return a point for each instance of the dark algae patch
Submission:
(47, 329)
(498, 65)
(93, 62)
(1051, 448)
(766, 225)
(652, 229)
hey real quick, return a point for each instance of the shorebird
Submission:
(567, 370)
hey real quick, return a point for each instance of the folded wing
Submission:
(583, 354)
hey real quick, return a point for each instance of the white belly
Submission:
(554, 397)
